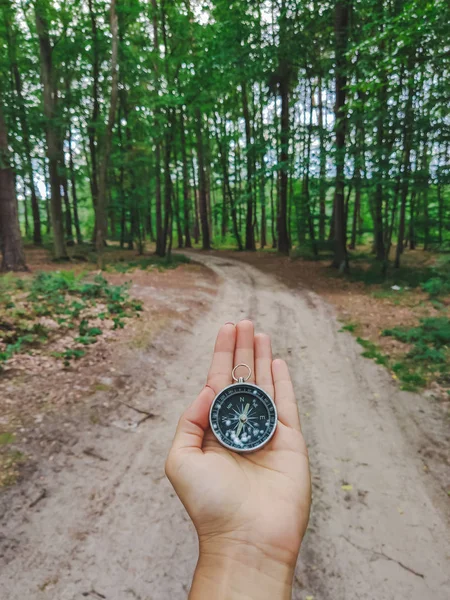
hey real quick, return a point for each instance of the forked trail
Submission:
(379, 528)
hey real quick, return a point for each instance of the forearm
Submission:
(240, 573)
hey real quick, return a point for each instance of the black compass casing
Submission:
(243, 417)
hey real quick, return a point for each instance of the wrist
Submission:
(238, 570)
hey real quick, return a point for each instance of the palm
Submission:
(260, 498)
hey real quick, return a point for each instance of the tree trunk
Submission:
(203, 200)
(223, 156)
(13, 258)
(273, 215)
(101, 232)
(323, 164)
(249, 230)
(94, 121)
(67, 209)
(160, 241)
(380, 249)
(196, 228)
(12, 47)
(76, 218)
(305, 182)
(357, 175)
(412, 217)
(284, 243)
(342, 12)
(406, 167)
(185, 171)
(52, 133)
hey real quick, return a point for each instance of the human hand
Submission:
(250, 510)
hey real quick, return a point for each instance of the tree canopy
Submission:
(257, 123)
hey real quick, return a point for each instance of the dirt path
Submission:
(114, 529)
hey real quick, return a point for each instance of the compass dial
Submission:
(243, 417)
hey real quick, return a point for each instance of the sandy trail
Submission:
(115, 529)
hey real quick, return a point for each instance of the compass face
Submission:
(243, 417)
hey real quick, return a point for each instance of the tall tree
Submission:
(51, 127)
(101, 221)
(13, 258)
(341, 32)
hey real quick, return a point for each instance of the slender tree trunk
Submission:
(160, 241)
(273, 214)
(203, 200)
(305, 182)
(323, 163)
(196, 229)
(412, 217)
(73, 186)
(103, 171)
(284, 243)
(249, 229)
(342, 13)
(406, 167)
(23, 119)
(380, 249)
(47, 197)
(440, 195)
(176, 201)
(357, 175)
(94, 121)
(13, 258)
(52, 134)
(223, 155)
(186, 193)
(67, 208)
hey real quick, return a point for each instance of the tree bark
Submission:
(249, 229)
(12, 45)
(305, 182)
(323, 164)
(341, 24)
(101, 232)
(186, 193)
(203, 200)
(13, 258)
(380, 248)
(160, 242)
(223, 156)
(52, 133)
(93, 124)
(406, 167)
(284, 243)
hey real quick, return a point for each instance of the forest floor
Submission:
(92, 515)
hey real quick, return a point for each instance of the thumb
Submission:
(194, 422)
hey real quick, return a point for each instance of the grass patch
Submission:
(66, 301)
(9, 467)
(7, 438)
(352, 327)
(371, 350)
(147, 262)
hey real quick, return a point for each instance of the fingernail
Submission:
(229, 323)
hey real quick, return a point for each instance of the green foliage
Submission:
(161, 263)
(372, 351)
(429, 354)
(436, 286)
(412, 378)
(64, 297)
(433, 331)
(349, 327)
(7, 438)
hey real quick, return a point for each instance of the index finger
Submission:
(219, 375)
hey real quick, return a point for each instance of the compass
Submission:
(243, 417)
